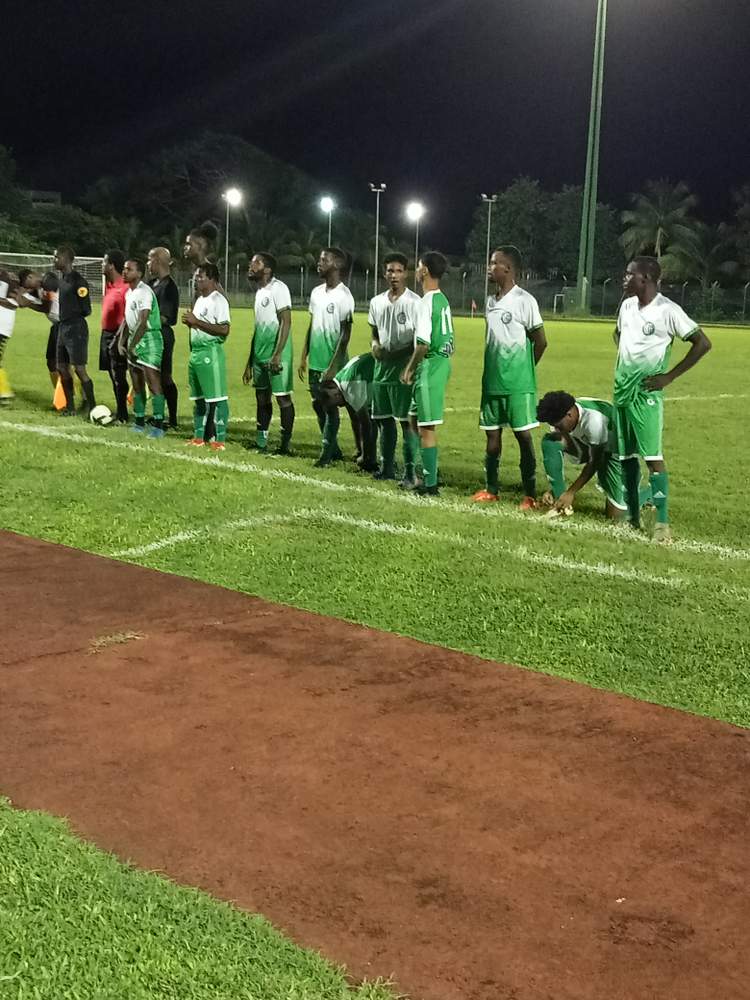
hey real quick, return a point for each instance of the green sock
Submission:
(631, 475)
(261, 438)
(139, 406)
(411, 450)
(221, 419)
(552, 457)
(158, 404)
(528, 469)
(388, 440)
(491, 465)
(660, 495)
(199, 418)
(430, 466)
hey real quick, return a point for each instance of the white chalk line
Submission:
(570, 525)
(308, 514)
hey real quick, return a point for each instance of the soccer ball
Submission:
(102, 416)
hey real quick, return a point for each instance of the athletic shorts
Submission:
(167, 357)
(51, 354)
(516, 410)
(72, 342)
(639, 426)
(280, 383)
(149, 350)
(428, 399)
(106, 347)
(391, 399)
(608, 476)
(207, 373)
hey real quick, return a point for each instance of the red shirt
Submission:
(113, 305)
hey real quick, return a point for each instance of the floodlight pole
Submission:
(377, 190)
(416, 252)
(591, 182)
(226, 252)
(489, 201)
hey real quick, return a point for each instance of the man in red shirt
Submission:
(113, 313)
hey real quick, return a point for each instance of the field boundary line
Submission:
(566, 525)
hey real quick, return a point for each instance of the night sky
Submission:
(440, 100)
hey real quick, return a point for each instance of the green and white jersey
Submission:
(136, 300)
(435, 325)
(509, 354)
(596, 424)
(269, 302)
(355, 381)
(395, 321)
(212, 308)
(646, 336)
(330, 308)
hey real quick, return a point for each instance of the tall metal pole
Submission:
(489, 202)
(226, 252)
(416, 252)
(330, 213)
(590, 187)
(377, 189)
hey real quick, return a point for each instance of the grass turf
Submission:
(76, 924)
(580, 600)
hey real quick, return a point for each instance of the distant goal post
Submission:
(89, 267)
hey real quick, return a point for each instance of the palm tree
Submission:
(660, 221)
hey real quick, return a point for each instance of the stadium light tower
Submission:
(591, 182)
(377, 190)
(233, 197)
(414, 212)
(327, 205)
(489, 201)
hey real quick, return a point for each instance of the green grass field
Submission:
(580, 600)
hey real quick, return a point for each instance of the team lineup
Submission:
(397, 390)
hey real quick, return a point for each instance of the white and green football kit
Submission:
(434, 327)
(207, 367)
(150, 347)
(596, 428)
(395, 322)
(646, 336)
(509, 377)
(355, 380)
(330, 309)
(269, 302)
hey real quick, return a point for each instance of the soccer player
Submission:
(352, 387)
(140, 341)
(429, 367)
(331, 317)
(41, 295)
(8, 309)
(515, 342)
(647, 324)
(199, 248)
(583, 431)
(167, 294)
(209, 324)
(72, 332)
(113, 313)
(392, 319)
(270, 364)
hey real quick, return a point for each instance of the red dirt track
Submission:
(474, 830)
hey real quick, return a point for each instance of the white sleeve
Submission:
(371, 314)
(534, 316)
(599, 428)
(679, 323)
(143, 299)
(281, 296)
(310, 306)
(346, 307)
(221, 309)
(619, 317)
(423, 324)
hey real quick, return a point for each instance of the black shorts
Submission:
(167, 335)
(52, 348)
(108, 351)
(73, 342)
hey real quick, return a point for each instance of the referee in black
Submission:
(74, 298)
(168, 298)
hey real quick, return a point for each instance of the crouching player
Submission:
(208, 323)
(584, 432)
(352, 387)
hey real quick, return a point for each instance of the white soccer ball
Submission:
(101, 415)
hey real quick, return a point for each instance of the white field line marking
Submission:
(188, 536)
(570, 525)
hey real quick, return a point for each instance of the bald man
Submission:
(168, 298)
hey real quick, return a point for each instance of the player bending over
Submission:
(352, 387)
(515, 343)
(208, 323)
(429, 367)
(140, 341)
(269, 366)
(647, 324)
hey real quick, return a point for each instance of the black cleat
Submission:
(426, 491)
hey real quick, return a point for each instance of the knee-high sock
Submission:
(118, 372)
(554, 464)
(388, 440)
(491, 466)
(631, 474)
(210, 429)
(320, 413)
(528, 467)
(411, 450)
(660, 495)
(430, 465)
(221, 419)
(331, 429)
(139, 407)
(199, 418)
(171, 395)
(157, 402)
(67, 383)
(287, 424)
(263, 415)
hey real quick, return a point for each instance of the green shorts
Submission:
(639, 426)
(517, 411)
(280, 384)
(391, 399)
(428, 400)
(207, 373)
(608, 476)
(149, 350)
